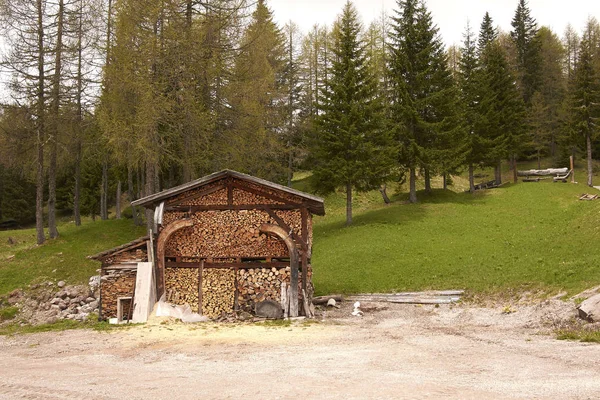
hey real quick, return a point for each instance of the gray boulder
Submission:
(590, 309)
(268, 309)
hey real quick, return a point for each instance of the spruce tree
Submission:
(524, 36)
(586, 98)
(470, 89)
(352, 149)
(487, 33)
(501, 109)
(423, 95)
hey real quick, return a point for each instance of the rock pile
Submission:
(43, 305)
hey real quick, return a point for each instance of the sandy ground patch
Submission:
(394, 351)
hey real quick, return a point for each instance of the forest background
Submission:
(128, 97)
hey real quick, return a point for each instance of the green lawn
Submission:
(534, 236)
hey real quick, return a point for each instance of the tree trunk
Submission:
(118, 204)
(348, 204)
(104, 191)
(39, 193)
(1, 188)
(383, 191)
(78, 146)
(498, 173)
(290, 164)
(413, 186)
(514, 163)
(53, 231)
(427, 181)
(445, 181)
(471, 179)
(590, 170)
(130, 192)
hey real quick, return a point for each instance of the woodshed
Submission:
(221, 244)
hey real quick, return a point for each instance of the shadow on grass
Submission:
(400, 211)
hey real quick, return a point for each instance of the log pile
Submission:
(218, 291)
(243, 197)
(182, 286)
(277, 194)
(258, 284)
(222, 234)
(188, 197)
(112, 286)
(218, 197)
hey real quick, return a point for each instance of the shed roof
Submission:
(314, 204)
(124, 247)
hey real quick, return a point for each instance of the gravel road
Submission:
(393, 352)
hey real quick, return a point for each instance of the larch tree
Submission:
(352, 148)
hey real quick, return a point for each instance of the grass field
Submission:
(526, 236)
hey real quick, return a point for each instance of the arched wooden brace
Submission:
(291, 245)
(164, 235)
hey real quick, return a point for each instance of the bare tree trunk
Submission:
(590, 168)
(427, 181)
(413, 186)
(78, 146)
(39, 194)
(445, 181)
(471, 179)
(514, 165)
(104, 191)
(383, 191)
(1, 188)
(118, 205)
(498, 173)
(130, 192)
(348, 204)
(53, 231)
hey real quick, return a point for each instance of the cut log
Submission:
(543, 172)
(324, 299)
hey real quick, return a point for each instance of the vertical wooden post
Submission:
(572, 169)
(200, 270)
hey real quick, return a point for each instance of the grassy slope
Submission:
(60, 259)
(524, 236)
(534, 235)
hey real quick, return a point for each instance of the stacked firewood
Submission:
(218, 197)
(259, 199)
(136, 255)
(258, 284)
(112, 286)
(218, 291)
(182, 286)
(244, 197)
(220, 234)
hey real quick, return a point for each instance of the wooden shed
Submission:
(221, 244)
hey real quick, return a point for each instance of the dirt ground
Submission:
(393, 352)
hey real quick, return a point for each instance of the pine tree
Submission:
(352, 149)
(524, 36)
(423, 95)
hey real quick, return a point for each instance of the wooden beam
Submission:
(242, 265)
(200, 270)
(304, 260)
(229, 193)
(285, 226)
(227, 207)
